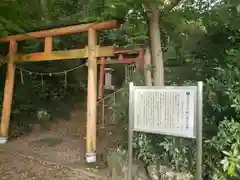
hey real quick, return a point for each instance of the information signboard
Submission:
(165, 110)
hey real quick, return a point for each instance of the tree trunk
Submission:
(147, 70)
(156, 47)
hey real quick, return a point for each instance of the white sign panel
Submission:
(165, 110)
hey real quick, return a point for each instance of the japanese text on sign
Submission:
(161, 110)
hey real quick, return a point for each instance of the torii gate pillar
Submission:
(91, 97)
(8, 92)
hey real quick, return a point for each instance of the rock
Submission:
(118, 166)
(164, 173)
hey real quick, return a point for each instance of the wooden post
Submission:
(101, 79)
(48, 45)
(8, 92)
(91, 97)
(140, 62)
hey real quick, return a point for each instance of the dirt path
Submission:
(29, 157)
(16, 167)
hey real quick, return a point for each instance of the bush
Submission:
(221, 128)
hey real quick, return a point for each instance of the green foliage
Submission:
(206, 33)
(215, 53)
(225, 148)
(54, 98)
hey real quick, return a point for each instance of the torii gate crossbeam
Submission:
(92, 51)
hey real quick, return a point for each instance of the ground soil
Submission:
(14, 166)
(26, 158)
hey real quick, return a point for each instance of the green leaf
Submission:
(226, 153)
(231, 169)
(235, 151)
(225, 165)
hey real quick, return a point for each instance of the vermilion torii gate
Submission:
(92, 52)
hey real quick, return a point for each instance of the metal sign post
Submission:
(199, 125)
(168, 110)
(130, 131)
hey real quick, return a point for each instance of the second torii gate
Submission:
(92, 52)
